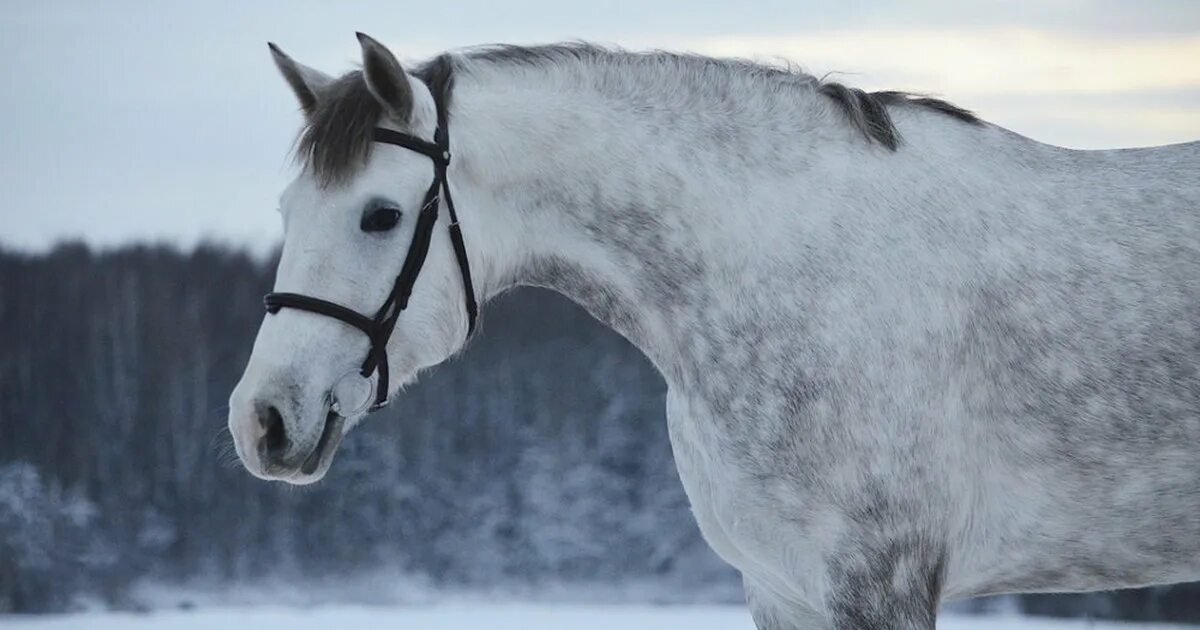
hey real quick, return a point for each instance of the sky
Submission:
(163, 120)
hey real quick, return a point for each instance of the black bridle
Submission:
(378, 329)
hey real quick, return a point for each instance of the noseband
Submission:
(378, 329)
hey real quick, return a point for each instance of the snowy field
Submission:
(490, 617)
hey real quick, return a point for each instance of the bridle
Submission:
(378, 329)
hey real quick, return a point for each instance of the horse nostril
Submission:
(274, 442)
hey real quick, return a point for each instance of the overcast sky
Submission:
(167, 121)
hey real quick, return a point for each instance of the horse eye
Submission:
(380, 220)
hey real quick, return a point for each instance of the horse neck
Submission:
(583, 200)
(654, 218)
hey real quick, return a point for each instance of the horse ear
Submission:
(386, 80)
(306, 82)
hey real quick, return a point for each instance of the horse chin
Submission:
(317, 463)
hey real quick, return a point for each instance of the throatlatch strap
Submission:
(460, 252)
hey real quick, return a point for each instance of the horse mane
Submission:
(865, 111)
(336, 139)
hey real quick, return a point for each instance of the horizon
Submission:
(181, 141)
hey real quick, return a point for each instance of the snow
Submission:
(480, 616)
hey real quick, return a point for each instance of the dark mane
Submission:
(336, 139)
(865, 111)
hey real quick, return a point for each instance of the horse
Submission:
(911, 356)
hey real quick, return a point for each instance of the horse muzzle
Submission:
(281, 440)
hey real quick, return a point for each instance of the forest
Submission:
(536, 464)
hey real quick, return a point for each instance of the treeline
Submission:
(541, 456)
(538, 459)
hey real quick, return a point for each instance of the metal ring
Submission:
(352, 394)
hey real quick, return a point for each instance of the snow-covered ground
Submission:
(484, 616)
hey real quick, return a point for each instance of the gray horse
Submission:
(911, 356)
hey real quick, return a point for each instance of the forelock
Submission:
(337, 138)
